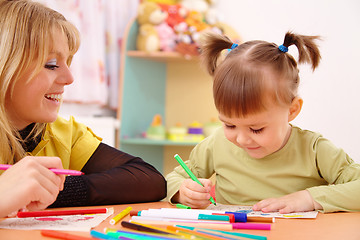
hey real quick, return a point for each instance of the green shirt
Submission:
(307, 161)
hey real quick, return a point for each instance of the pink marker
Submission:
(54, 170)
(255, 226)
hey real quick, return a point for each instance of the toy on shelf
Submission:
(195, 132)
(176, 25)
(149, 16)
(157, 130)
(177, 133)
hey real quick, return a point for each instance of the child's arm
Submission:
(295, 202)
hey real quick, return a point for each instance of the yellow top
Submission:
(72, 142)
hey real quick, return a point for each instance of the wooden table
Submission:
(325, 226)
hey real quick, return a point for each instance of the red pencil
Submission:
(61, 212)
(62, 235)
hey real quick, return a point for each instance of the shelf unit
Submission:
(164, 83)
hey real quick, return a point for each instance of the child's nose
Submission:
(242, 138)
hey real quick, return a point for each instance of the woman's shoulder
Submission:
(69, 127)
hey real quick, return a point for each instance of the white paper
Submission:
(250, 212)
(81, 223)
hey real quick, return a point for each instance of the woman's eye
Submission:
(257, 131)
(51, 66)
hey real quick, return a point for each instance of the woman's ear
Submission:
(295, 108)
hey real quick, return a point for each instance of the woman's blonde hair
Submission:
(255, 72)
(27, 30)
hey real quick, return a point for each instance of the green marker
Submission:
(179, 205)
(191, 175)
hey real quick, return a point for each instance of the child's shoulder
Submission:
(305, 133)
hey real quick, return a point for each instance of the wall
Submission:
(330, 94)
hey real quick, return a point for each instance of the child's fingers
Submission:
(193, 194)
(194, 186)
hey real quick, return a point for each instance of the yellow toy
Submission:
(195, 132)
(149, 16)
(148, 39)
(177, 133)
(150, 12)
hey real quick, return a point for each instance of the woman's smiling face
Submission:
(38, 99)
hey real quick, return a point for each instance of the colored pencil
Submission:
(198, 234)
(142, 235)
(54, 170)
(63, 235)
(101, 235)
(120, 216)
(235, 234)
(238, 234)
(61, 212)
(144, 228)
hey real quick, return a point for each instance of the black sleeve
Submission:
(112, 177)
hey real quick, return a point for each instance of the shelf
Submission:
(144, 141)
(161, 56)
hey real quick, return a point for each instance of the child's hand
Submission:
(294, 202)
(193, 194)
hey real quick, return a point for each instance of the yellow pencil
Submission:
(121, 215)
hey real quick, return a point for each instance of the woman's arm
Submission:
(112, 177)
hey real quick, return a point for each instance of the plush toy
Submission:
(195, 5)
(149, 16)
(150, 12)
(167, 37)
(147, 39)
(176, 13)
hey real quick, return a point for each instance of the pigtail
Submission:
(308, 50)
(211, 45)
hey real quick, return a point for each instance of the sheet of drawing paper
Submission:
(250, 212)
(81, 223)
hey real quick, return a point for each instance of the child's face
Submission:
(259, 134)
(38, 100)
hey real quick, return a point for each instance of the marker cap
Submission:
(239, 216)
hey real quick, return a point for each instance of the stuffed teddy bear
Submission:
(149, 16)
(147, 39)
(150, 12)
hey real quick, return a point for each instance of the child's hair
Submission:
(27, 31)
(255, 72)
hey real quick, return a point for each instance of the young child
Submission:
(37, 45)
(258, 157)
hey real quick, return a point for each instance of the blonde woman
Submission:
(37, 45)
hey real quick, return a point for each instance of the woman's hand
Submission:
(294, 202)
(193, 194)
(30, 184)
